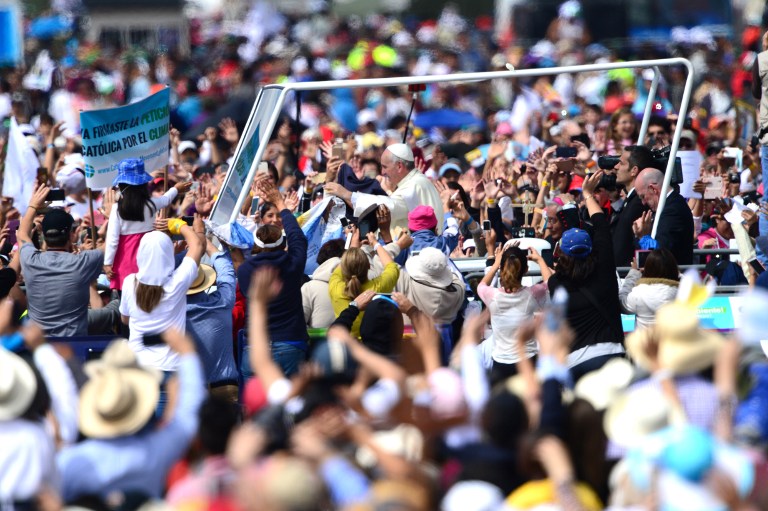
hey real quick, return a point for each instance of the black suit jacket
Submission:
(621, 229)
(675, 231)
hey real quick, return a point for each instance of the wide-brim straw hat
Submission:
(206, 277)
(18, 385)
(118, 355)
(684, 347)
(117, 402)
(599, 388)
(635, 414)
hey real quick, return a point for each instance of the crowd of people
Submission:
(324, 350)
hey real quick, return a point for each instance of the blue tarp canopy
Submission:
(47, 27)
(446, 118)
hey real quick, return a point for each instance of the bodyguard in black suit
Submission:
(633, 160)
(675, 232)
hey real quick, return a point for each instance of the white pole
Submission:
(649, 106)
(463, 78)
(675, 143)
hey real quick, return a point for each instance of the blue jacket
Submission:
(209, 322)
(286, 312)
(446, 242)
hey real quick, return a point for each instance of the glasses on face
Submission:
(656, 133)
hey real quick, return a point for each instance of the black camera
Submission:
(734, 178)
(607, 182)
(608, 162)
(660, 161)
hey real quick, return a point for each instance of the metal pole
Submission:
(238, 148)
(675, 143)
(467, 77)
(267, 130)
(649, 106)
(458, 77)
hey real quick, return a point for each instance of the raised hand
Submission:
(229, 130)
(643, 225)
(492, 189)
(420, 164)
(292, 201)
(204, 201)
(477, 193)
(383, 218)
(265, 285)
(175, 137)
(210, 134)
(327, 148)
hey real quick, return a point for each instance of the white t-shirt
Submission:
(171, 312)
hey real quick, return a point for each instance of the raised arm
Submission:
(36, 203)
(384, 256)
(588, 192)
(265, 285)
(194, 236)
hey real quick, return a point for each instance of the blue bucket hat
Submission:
(576, 243)
(131, 172)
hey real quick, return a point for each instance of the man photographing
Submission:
(56, 279)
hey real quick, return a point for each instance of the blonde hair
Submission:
(354, 268)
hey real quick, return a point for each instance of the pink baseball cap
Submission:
(422, 217)
(504, 128)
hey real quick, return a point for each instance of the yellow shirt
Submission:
(537, 493)
(384, 283)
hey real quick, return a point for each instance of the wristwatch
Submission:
(353, 304)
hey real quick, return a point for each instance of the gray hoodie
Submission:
(318, 311)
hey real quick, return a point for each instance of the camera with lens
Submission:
(607, 182)
(734, 178)
(660, 161)
(608, 162)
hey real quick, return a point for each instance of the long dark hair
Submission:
(661, 264)
(576, 270)
(132, 202)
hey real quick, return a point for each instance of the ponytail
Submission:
(514, 265)
(354, 268)
(353, 288)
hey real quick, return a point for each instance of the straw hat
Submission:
(636, 414)
(684, 347)
(17, 385)
(118, 355)
(599, 388)
(206, 277)
(117, 402)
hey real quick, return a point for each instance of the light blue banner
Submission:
(717, 313)
(138, 130)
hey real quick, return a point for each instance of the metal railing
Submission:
(474, 268)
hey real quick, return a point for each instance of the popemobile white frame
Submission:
(271, 98)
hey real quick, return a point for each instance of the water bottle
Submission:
(555, 313)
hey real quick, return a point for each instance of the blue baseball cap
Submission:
(449, 165)
(131, 172)
(576, 243)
